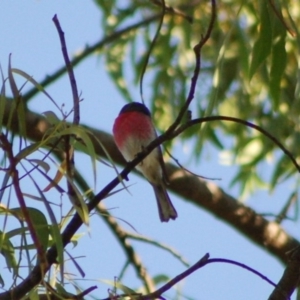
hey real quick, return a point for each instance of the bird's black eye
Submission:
(135, 106)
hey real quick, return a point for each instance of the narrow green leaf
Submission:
(278, 63)
(35, 83)
(21, 117)
(81, 207)
(15, 93)
(51, 117)
(18, 100)
(63, 292)
(15, 232)
(41, 163)
(114, 65)
(55, 230)
(27, 151)
(83, 134)
(39, 223)
(283, 170)
(2, 102)
(8, 251)
(13, 85)
(1, 281)
(33, 294)
(161, 278)
(211, 133)
(262, 47)
(126, 290)
(4, 184)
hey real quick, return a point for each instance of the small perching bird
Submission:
(133, 130)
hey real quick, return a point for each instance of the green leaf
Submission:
(114, 64)
(27, 151)
(249, 181)
(262, 47)
(2, 283)
(35, 83)
(41, 163)
(18, 100)
(16, 232)
(7, 250)
(39, 223)
(55, 230)
(115, 284)
(12, 83)
(51, 117)
(282, 168)
(4, 184)
(63, 292)
(21, 117)
(278, 63)
(212, 136)
(83, 134)
(33, 294)
(2, 102)
(161, 278)
(81, 207)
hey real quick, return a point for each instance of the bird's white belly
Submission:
(150, 166)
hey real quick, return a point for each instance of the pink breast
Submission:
(133, 125)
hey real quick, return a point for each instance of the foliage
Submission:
(249, 70)
(252, 58)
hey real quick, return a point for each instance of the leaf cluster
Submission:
(251, 58)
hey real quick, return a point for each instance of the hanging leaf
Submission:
(262, 46)
(8, 252)
(278, 61)
(39, 223)
(58, 176)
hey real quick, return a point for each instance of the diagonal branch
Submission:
(268, 235)
(207, 195)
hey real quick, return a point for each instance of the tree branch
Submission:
(290, 277)
(69, 68)
(268, 235)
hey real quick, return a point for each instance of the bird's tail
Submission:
(165, 207)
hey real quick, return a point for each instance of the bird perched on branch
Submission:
(133, 131)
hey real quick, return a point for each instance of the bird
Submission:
(133, 130)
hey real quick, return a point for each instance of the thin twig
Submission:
(197, 51)
(76, 116)
(236, 120)
(130, 252)
(88, 51)
(76, 221)
(141, 238)
(151, 48)
(283, 213)
(157, 294)
(201, 263)
(7, 147)
(187, 170)
(69, 150)
(236, 263)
